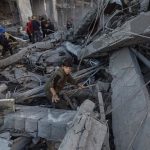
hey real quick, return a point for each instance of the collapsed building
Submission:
(110, 48)
(18, 11)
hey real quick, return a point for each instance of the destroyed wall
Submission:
(74, 10)
(60, 11)
(42, 8)
(24, 10)
(9, 12)
(125, 103)
(126, 35)
(130, 102)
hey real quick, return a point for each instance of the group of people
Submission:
(37, 29)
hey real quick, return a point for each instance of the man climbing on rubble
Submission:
(4, 42)
(57, 82)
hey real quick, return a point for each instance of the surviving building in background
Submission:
(17, 11)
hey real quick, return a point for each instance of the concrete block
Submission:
(123, 36)
(31, 123)
(53, 126)
(20, 123)
(130, 102)
(39, 121)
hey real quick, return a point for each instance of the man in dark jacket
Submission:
(57, 82)
(47, 27)
(36, 34)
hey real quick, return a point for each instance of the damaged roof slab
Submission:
(130, 102)
(126, 35)
(38, 121)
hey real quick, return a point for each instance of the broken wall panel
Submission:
(36, 121)
(82, 28)
(144, 4)
(130, 102)
(86, 132)
(125, 35)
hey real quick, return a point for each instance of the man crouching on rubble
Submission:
(57, 82)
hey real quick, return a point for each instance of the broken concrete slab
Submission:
(39, 121)
(22, 96)
(14, 58)
(21, 75)
(73, 49)
(18, 56)
(144, 4)
(5, 144)
(126, 35)
(82, 28)
(84, 129)
(31, 123)
(54, 125)
(130, 102)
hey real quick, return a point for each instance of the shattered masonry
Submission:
(110, 49)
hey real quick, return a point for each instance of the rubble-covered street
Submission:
(108, 106)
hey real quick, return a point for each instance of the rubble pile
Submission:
(111, 54)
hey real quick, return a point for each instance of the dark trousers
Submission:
(36, 36)
(6, 46)
(30, 36)
(44, 33)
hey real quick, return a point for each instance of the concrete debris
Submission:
(82, 29)
(144, 4)
(84, 129)
(39, 122)
(126, 35)
(130, 102)
(16, 144)
(142, 58)
(107, 108)
(73, 49)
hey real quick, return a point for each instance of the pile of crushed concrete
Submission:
(111, 54)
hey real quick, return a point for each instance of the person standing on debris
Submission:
(47, 27)
(4, 42)
(57, 82)
(69, 24)
(43, 22)
(50, 26)
(29, 28)
(36, 34)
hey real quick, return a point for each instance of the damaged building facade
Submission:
(110, 50)
(58, 11)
